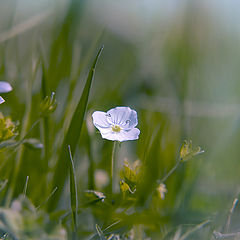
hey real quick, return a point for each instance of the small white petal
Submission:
(131, 121)
(110, 136)
(5, 87)
(123, 135)
(104, 130)
(100, 121)
(1, 100)
(118, 114)
(123, 116)
(129, 135)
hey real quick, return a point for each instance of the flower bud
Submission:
(48, 105)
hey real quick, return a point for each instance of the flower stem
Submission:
(19, 160)
(171, 171)
(112, 167)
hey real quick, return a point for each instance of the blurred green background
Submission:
(175, 62)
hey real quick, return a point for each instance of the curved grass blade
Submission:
(72, 137)
(73, 190)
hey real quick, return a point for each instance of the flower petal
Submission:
(113, 136)
(123, 116)
(104, 130)
(100, 120)
(5, 87)
(131, 122)
(1, 100)
(122, 136)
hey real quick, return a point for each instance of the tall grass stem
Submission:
(112, 166)
(171, 171)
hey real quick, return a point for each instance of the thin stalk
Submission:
(235, 202)
(18, 163)
(25, 187)
(91, 182)
(171, 171)
(20, 153)
(112, 166)
(51, 194)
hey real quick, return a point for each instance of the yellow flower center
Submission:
(116, 128)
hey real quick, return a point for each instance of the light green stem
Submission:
(112, 166)
(171, 171)
(18, 162)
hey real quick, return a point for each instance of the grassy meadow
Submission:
(176, 64)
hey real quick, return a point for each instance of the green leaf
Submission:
(8, 144)
(100, 233)
(73, 190)
(33, 143)
(72, 137)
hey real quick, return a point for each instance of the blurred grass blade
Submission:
(33, 143)
(104, 230)
(51, 194)
(100, 233)
(45, 118)
(25, 186)
(196, 228)
(177, 234)
(151, 168)
(24, 26)
(73, 190)
(72, 137)
(3, 184)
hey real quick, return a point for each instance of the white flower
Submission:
(4, 87)
(117, 124)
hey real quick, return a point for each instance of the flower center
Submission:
(116, 128)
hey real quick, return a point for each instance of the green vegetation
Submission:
(177, 66)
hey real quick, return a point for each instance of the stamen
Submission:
(116, 128)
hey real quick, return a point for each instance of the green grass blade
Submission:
(25, 187)
(151, 168)
(100, 233)
(45, 120)
(73, 190)
(3, 184)
(51, 194)
(24, 26)
(72, 137)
